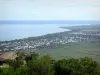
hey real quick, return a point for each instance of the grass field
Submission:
(75, 50)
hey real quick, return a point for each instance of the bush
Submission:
(44, 65)
(81, 66)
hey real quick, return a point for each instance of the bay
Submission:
(19, 31)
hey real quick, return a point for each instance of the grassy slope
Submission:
(75, 50)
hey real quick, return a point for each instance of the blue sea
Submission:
(17, 30)
(11, 32)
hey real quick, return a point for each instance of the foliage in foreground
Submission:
(34, 64)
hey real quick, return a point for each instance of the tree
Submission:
(31, 57)
(44, 65)
(18, 61)
(41, 66)
(81, 66)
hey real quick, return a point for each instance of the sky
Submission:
(49, 9)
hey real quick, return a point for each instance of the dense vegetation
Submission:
(34, 64)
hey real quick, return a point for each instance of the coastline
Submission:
(19, 32)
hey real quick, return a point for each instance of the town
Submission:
(48, 41)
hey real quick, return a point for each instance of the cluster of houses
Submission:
(46, 41)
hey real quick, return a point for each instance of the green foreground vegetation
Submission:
(34, 64)
(74, 50)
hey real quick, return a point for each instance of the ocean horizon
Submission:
(49, 21)
(19, 31)
(10, 30)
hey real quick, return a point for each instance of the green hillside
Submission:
(76, 50)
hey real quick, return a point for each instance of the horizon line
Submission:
(46, 21)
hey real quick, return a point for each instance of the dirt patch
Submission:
(7, 55)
